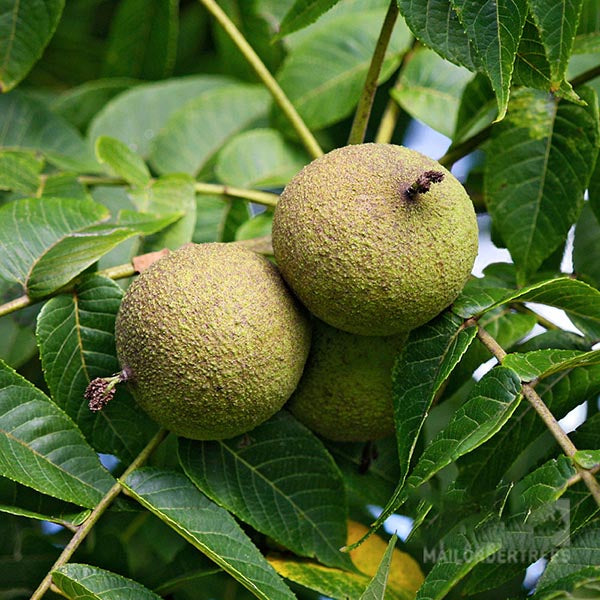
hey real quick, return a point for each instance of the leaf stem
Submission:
(265, 76)
(365, 103)
(389, 120)
(257, 196)
(543, 411)
(101, 507)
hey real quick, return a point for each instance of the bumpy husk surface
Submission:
(361, 253)
(214, 340)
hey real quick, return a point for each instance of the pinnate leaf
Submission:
(76, 339)
(174, 499)
(42, 448)
(45, 242)
(491, 403)
(259, 158)
(430, 355)
(84, 581)
(194, 133)
(25, 30)
(494, 29)
(136, 116)
(586, 250)
(122, 161)
(17, 499)
(327, 94)
(430, 88)
(376, 590)
(580, 301)
(283, 482)
(26, 124)
(587, 458)
(436, 24)
(557, 22)
(538, 167)
(301, 14)
(543, 363)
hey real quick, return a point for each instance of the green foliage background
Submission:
(132, 126)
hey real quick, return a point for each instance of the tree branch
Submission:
(101, 507)
(365, 103)
(543, 411)
(268, 80)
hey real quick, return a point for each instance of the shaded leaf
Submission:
(477, 109)
(142, 41)
(210, 214)
(175, 500)
(376, 590)
(428, 358)
(76, 340)
(79, 105)
(194, 134)
(136, 116)
(84, 581)
(303, 13)
(283, 483)
(460, 553)
(532, 68)
(578, 561)
(122, 161)
(481, 470)
(494, 29)
(327, 94)
(588, 32)
(42, 448)
(16, 499)
(430, 88)
(537, 170)
(27, 124)
(586, 250)
(259, 158)
(544, 485)
(25, 30)
(557, 23)
(19, 171)
(436, 24)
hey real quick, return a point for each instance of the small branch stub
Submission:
(101, 391)
(423, 183)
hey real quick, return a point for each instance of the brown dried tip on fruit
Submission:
(423, 184)
(101, 391)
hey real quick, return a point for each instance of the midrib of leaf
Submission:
(11, 38)
(41, 456)
(193, 540)
(280, 493)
